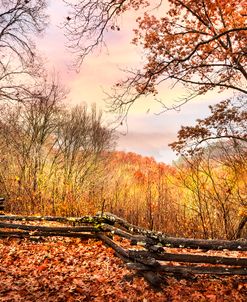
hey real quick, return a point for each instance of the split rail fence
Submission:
(149, 258)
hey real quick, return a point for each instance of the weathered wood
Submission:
(134, 239)
(158, 237)
(113, 245)
(185, 270)
(137, 266)
(191, 258)
(125, 224)
(116, 231)
(143, 257)
(142, 240)
(203, 270)
(204, 244)
(147, 260)
(191, 243)
(155, 249)
(152, 277)
(24, 234)
(72, 220)
(48, 229)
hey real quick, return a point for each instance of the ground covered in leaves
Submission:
(62, 269)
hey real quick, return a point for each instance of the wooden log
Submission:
(203, 270)
(191, 258)
(150, 238)
(204, 244)
(113, 245)
(158, 237)
(37, 218)
(137, 266)
(155, 249)
(48, 229)
(74, 220)
(116, 231)
(153, 278)
(233, 261)
(147, 260)
(125, 224)
(24, 234)
(186, 270)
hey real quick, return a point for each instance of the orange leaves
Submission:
(43, 266)
(243, 212)
(139, 176)
(96, 275)
(227, 121)
(198, 41)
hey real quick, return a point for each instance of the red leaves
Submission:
(72, 270)
(43, 266)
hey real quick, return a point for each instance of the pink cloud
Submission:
(148, 134)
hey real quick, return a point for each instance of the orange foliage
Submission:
(198, 42)
(74, 270)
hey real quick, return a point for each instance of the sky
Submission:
(148, 132)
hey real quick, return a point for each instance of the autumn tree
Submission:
(200, 44)
(82, 140)
(226, 122)
(19, 62)
(215, 151)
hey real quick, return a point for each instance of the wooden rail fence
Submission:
(151, 259)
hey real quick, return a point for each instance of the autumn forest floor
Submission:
(62, 269)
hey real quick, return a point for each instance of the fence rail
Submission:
(152, 260)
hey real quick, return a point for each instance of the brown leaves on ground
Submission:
(61, 269)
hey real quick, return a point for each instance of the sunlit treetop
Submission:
(199, 43)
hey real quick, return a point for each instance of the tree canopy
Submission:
(199, 43)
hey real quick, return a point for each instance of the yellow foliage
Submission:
(242, 211)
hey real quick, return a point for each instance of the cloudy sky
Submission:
(148, 132)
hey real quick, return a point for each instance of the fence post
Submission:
(2, 203)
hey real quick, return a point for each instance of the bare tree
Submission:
(20, 21)
(82, 140)
(87, 24)
(27, 135)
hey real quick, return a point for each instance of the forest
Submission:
(61, 160)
